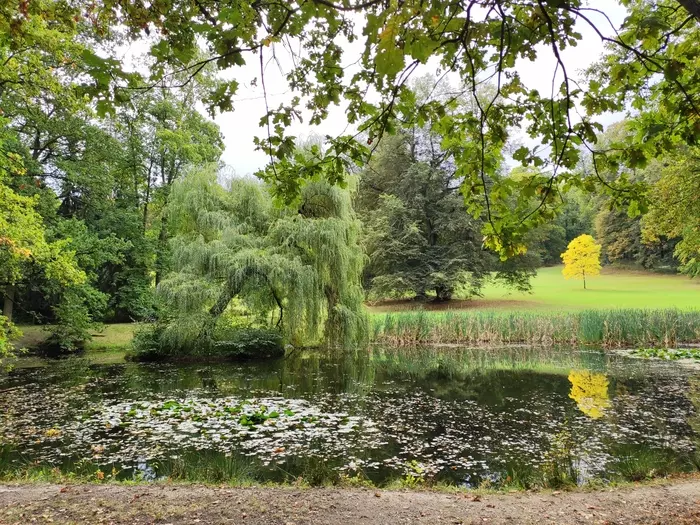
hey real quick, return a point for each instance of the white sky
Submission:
(241, 125)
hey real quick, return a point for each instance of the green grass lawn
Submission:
(612, 289)
(114, 337)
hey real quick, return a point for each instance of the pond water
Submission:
(464, 416)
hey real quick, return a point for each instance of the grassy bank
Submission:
(612, 289)
(610, 328)
(558, 471)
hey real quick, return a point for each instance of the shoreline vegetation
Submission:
(647, 328)
(625, 308)
(214, 468)
(607, 328)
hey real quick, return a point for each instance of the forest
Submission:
(117, 206)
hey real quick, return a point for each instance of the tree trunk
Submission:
(207, 331)
(9, 303)
(222, 302)
(443, 293)
(584, 280)
(692, 6)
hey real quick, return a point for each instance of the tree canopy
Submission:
(94, 139)
(418, 238)
(84, 188)
(362, 55)
(675, 210)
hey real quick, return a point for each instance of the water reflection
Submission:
(590, 391)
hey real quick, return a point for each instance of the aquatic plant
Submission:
(610, 328)
(558, 467)
(669, 354)
(214, 467)
(637, 464)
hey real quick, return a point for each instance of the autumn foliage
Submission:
(581, 258)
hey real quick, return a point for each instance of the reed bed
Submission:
(608, 328)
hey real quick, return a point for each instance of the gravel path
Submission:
(672, 503)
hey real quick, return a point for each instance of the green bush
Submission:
(148, 344)
(250, 343)
(152, 344)
(8, 334)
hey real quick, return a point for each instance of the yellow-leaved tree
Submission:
(581, 258)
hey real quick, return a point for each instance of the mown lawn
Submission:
(115, 337)
(550, 291)
(611, 289)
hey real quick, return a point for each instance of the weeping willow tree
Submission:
(296, 269)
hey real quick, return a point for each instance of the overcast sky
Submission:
(241, 125)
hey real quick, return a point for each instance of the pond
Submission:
(470, 417)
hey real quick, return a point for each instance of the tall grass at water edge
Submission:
(610, 328)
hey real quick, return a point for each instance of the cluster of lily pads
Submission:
(668, 354)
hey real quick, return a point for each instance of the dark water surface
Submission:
(458, 415)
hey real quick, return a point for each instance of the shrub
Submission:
(250, 343)
(152, 344)
(8, 334)
(148, 343)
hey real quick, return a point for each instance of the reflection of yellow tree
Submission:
(590, 391)
(694, 396)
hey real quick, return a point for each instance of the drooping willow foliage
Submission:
(297, 269)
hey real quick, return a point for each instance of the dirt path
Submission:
(676, 503)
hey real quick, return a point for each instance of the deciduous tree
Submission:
(297, 269)
(675, 208)
(581, 258)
